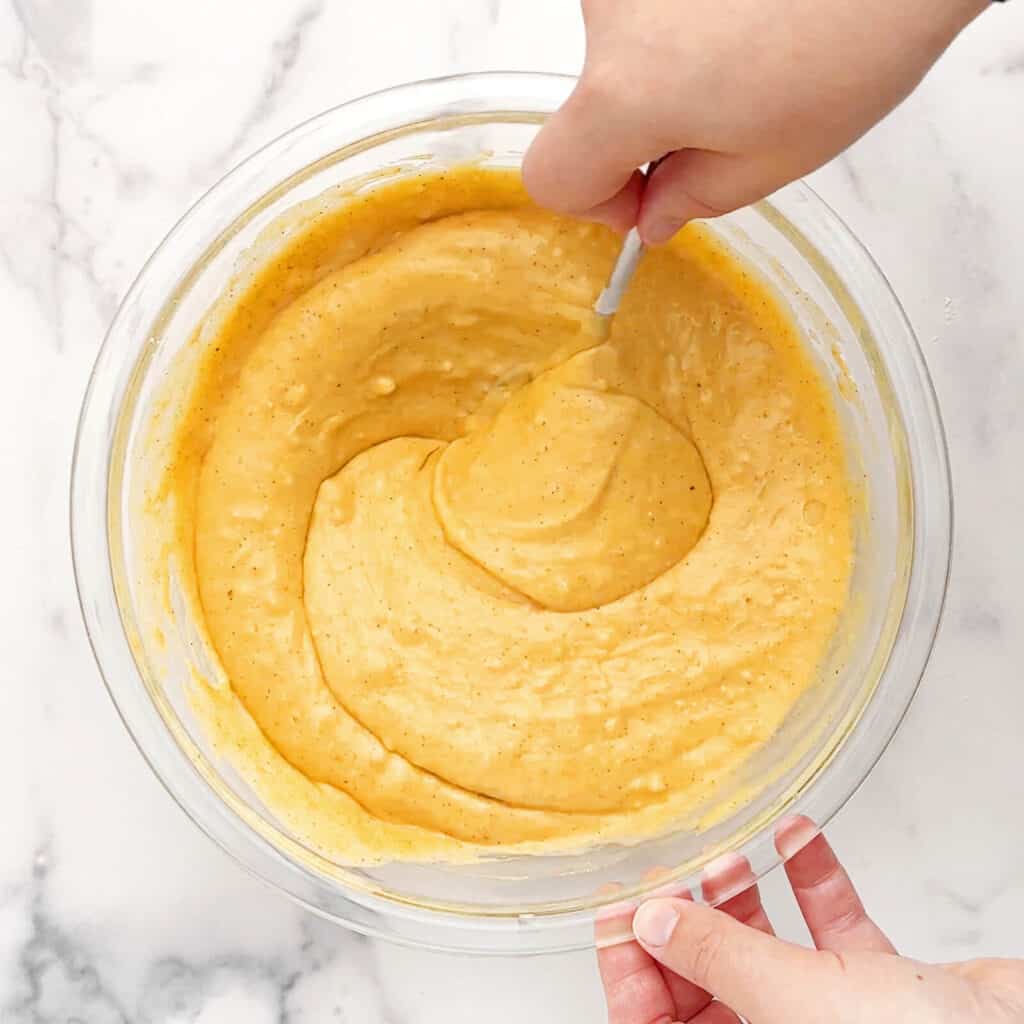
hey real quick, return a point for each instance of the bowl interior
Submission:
(852, 327)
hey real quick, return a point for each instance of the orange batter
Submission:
(477, 579)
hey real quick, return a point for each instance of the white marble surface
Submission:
(115, 115)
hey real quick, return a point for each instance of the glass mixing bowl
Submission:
(867, 353)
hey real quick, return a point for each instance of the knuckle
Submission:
(544, 184)
(596, 88)
(603, 91)
(845, 919)
(623, 995)
(707, 955)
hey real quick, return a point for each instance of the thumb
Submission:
(584, 160)
(762, 978)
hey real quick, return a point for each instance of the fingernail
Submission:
(660, 231)
(655, 921)
(793, 834)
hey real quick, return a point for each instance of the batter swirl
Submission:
(477, 579)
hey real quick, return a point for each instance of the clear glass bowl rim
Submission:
(400, 107)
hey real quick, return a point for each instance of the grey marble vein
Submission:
(846, 164)
(984, 897)
(284, 55)
(177, 989)
(981, 621)
(16, 64)
(467, 25)
(1012, 65)
(56, 980)
(973, 223)
(69, 244)
(50, 216)
(59, 29)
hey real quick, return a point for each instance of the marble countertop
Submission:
(117, 114)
